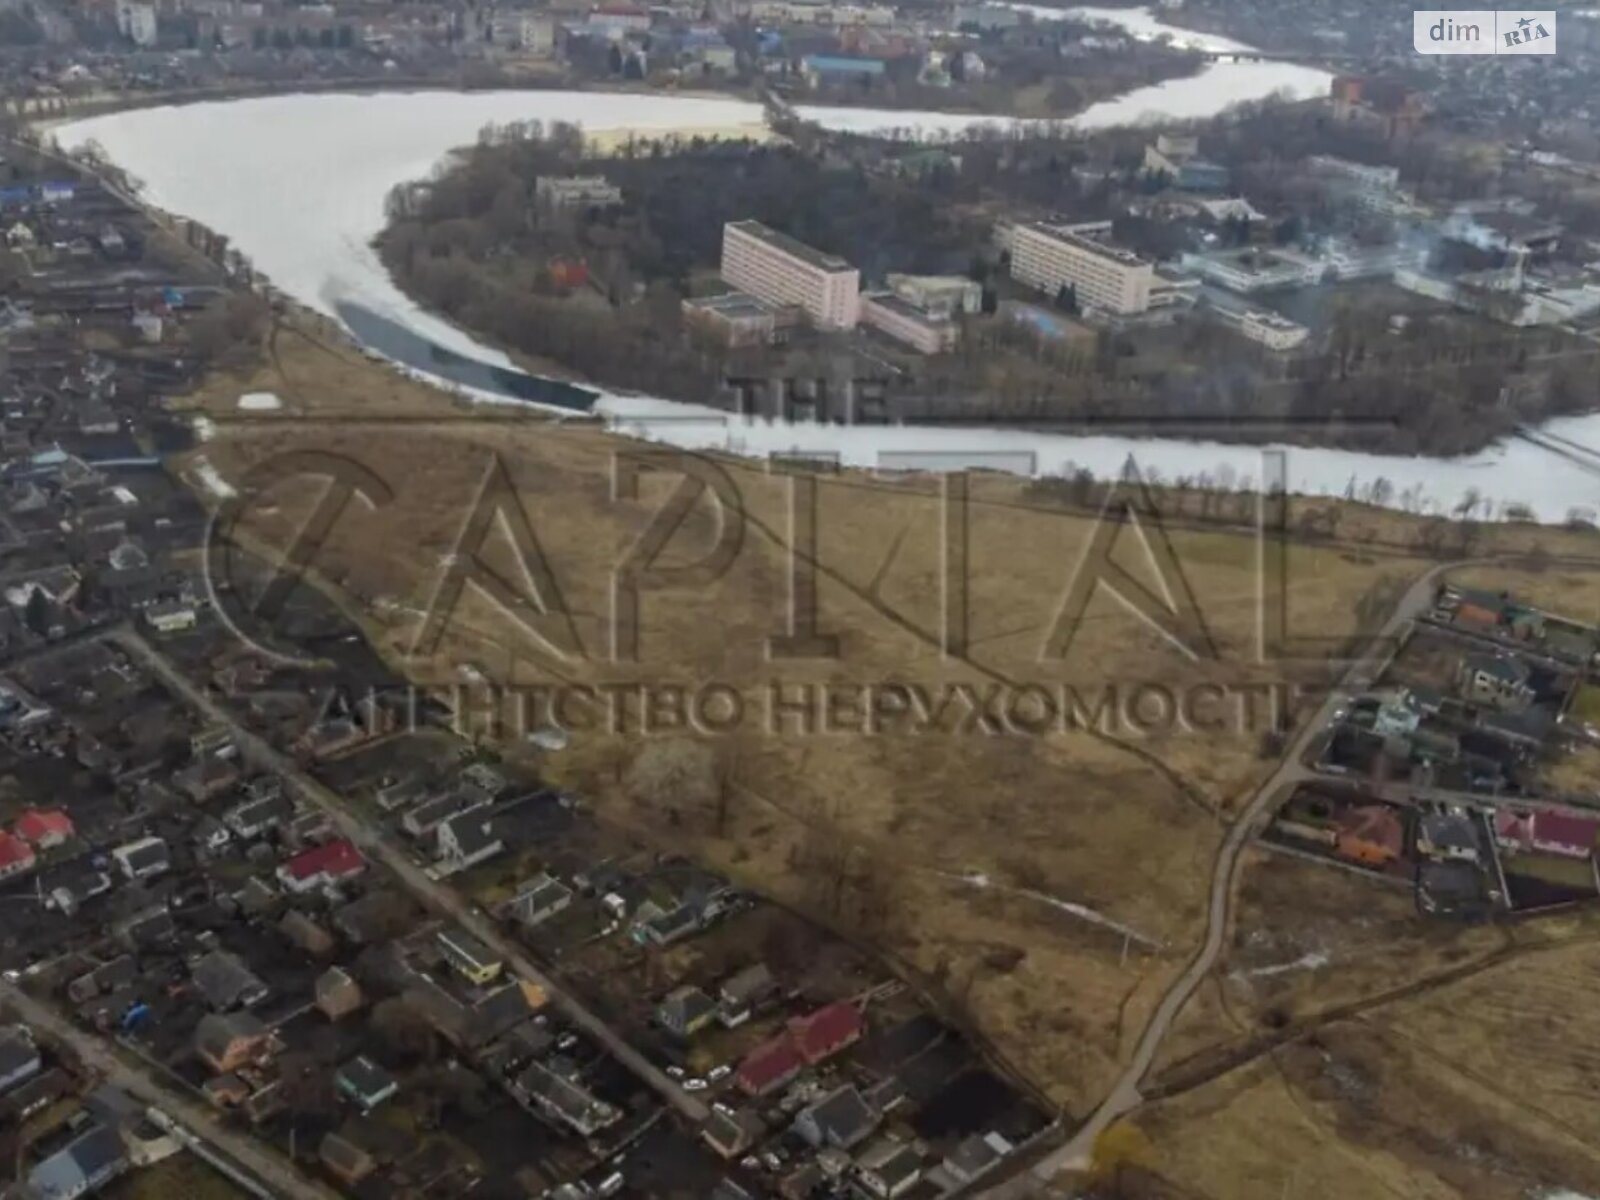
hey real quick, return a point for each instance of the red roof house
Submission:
(769, 1066)
(45, 827)
(827, 1031)
(329, 863)
(16, 855)
(1370, 834)
(1548, 832)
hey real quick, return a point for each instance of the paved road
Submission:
(1125, 1096)
(255, 1159)
(435, 896)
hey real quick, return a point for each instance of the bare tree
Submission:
(403, 1028)
(675, 776)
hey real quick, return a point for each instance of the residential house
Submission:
(171, 616)
(226, 1091)
(1447, 837)
(827, 1031)
(365, 1083)
(143, 859)
(888, 1169)
(322, 866)
(769, 1066)
(539, 899)
(562, 1101)
(665, 928)
(16, 856)
(19, 1056)
(841, 1120)
(85, 1164)
(345, 1160)
(401, 793)
(146, 928)
(209, 776)
(744, 992)
(803, 1183)
(1370, 834)
(1497, 680)
(309, 934)
(975, 1155)
(731, 1132)
(26, 1099)
(426, 817)
(256, 818)
(226, 982)
(337, 994)
(1398, 714)
(685, 1011)
(1546, 832)
(45, 828)
(227, 1041)
(469, 838)
(146, 1142)
(474, 961)
(1480, 609)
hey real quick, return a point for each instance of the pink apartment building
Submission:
(780, 270)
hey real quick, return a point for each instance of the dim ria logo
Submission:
(1484, 31)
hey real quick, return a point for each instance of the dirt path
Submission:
(1126, 1095)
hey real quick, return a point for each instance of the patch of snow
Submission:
(253, 169)
(1313, 961)
(978, 879)
(213, 481)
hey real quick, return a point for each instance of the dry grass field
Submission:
(1363, 1111)
(995, 868)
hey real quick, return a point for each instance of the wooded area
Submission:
(598, 291)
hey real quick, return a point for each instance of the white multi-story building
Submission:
(1272, 331)
(576, 191)
(774, 267)
(138, 23)
(1345, 260)
(1376, 189)
(534, 33)
(891, 315)
(1082, 257)
(938, 295)
(1255, 270)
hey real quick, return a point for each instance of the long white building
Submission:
(1102, 275)
(774, 267)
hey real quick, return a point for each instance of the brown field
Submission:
(1309, 940)
(1565, 591)
(181, 1177)
(882, 835)
(1529, 1026)
(1362, 1111)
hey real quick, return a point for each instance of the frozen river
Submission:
(298, 185)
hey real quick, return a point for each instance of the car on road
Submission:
(694, 1085)
(718, 1074)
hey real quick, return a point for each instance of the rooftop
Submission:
(732, 304)
(1094, 237)
(790, 246)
